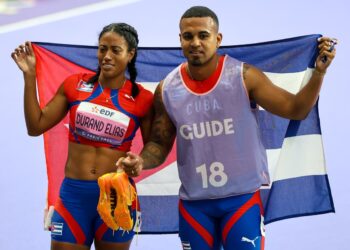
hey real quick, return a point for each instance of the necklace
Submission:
(110, 97)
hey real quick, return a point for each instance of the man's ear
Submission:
(218, 40)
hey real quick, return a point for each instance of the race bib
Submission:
(99, 123)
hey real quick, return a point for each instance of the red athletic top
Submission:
(104, 117)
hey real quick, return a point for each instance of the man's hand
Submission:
(132, 164)
(327, 53)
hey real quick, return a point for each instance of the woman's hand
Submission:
(24, 57)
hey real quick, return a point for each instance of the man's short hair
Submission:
(201, 11)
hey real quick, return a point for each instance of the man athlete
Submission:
(221, 160)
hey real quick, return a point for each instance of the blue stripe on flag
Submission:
(274, 128)
(163, 218)
(281, 56)
(311, 125)
(290, 198)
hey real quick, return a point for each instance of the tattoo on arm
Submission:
(162, 135)
(153, 155)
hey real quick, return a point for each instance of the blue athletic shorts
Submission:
(235, 222)
(76, 220)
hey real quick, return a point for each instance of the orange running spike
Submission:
(116, 197)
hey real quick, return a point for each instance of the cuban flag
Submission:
(299, 186)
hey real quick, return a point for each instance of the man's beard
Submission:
(196, 62)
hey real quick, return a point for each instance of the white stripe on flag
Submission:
(300, 156)
(151, 86)
(164, 182)
(292, 82)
